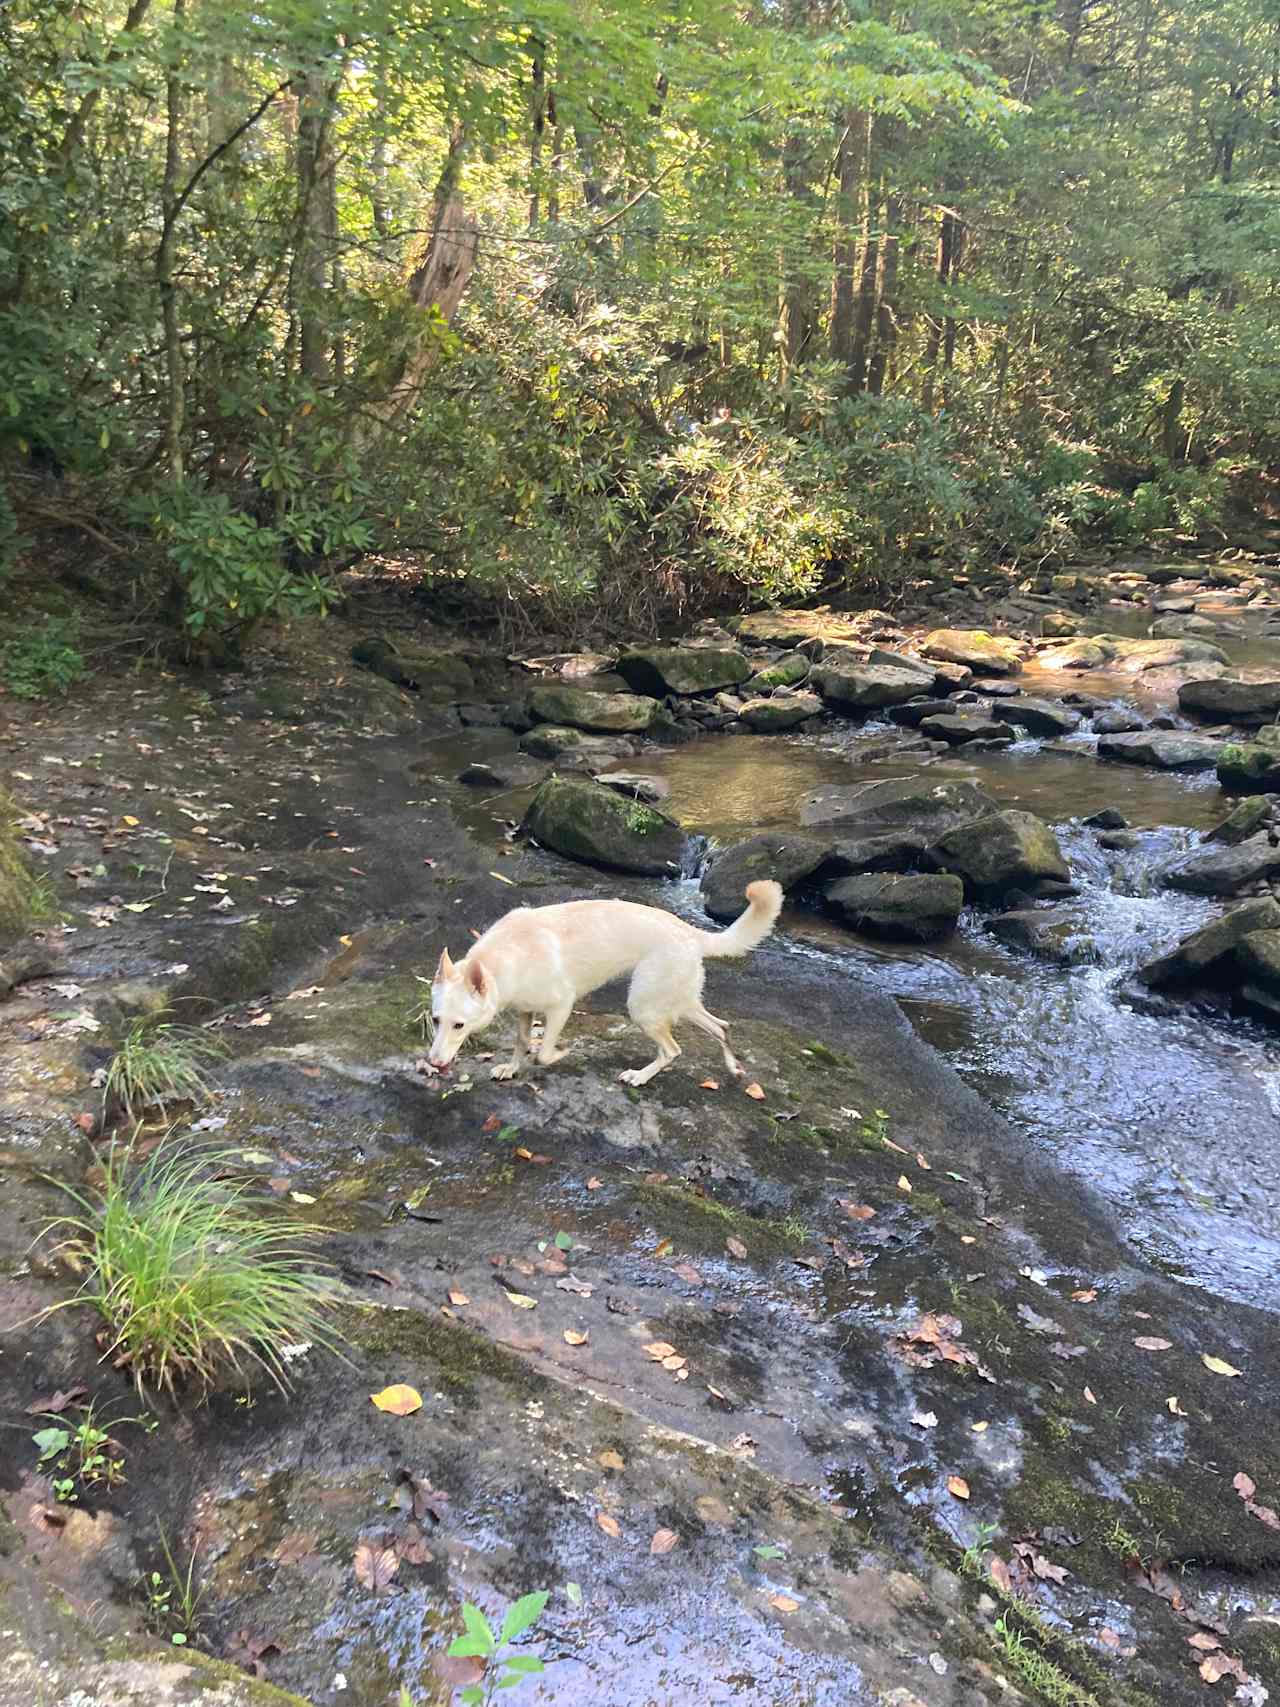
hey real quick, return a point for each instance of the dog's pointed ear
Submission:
(445, 970)
(478, 978)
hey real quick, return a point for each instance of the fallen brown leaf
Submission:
(784, 1603)
(735, 1247)
(663, 1540)
(375, 1566)
(754, 1090)
(456, 1297)
(611, 1460)
(1085, 1295)
(904, 1184)
(856, 1211)
(709, 1084)
(1089, 1398)
(659, 1349)
(1204, 1641)
(610, 1525)
(688, 1272)
(1175, 1409)
(1151, 1342)
(958, 1486)
(1217, 1665)
(576, 1336)
(57, 1402)
(594, 1184)
(1000, 1576)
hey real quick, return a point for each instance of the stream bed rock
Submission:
(601, 827)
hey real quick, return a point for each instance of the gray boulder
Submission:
(1117, 722)
(914, 711)
(866, 687)
(579, 708)
(1257, 958)
(1039, 716)
(914, 906)
(1003, 851)
(550, 741)
(635, 785)
(785, 856)
(785, 672)
(958, 728)
(1243, 821)
(518, 771)
(1168, 750)
(1249, 768)
(1202, 956)
(1218, 870)
(899, 849)
(599, 827)
(659, 670)
(1226, 699)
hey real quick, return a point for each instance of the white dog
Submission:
(541, 960)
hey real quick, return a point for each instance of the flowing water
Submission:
(1173, 1117)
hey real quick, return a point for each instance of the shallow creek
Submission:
(1173, 1117)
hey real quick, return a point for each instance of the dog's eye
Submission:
(457, 1025)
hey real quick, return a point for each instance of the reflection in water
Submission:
(1172, 1117)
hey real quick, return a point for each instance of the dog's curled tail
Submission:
(764, 903)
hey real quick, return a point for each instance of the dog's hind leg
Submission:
(664, 985)
(720, 1031)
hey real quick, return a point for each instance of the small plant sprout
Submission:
(502, 1670)
(173, 1600)
(157, 1065)
(191, 1276)
(83, 1456)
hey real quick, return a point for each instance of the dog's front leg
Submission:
(509, 1069)
(554, 1023)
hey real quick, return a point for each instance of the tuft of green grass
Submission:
(173, 1599)
(193, 1279)
(158, 1064)
(1037, 1670)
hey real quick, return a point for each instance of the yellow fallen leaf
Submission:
(958, 1486)
(345, 941)
(1175, 1409)
(456, 1297)
(904, 1184)
(1217, 1365)
(399, 1400)
(784, 1603)
(610, 1460)
(610, 1525)
(502, 879)
(302, 1197)
(967, 1239)
(981, 1428)
(709, 1084)
(675, 1361)
(522, 1301)
(131, 822)
(575, 1336)
(754, 1090)
(658, 1349)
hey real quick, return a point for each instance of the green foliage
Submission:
(173, 1599)
(158, 1064)
(192, 1278)
(83, 1456)
(37, 661)
(503, 1670)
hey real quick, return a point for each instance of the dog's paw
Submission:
(549, 1057)
(631, 1076)
(504, 1070)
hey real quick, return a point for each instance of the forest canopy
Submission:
(623, 306)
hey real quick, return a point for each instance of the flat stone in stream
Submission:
(1218, 870)
(599, 827)
(916, 907)
(635, 785)
(1199, 957)
(518, 771)
(1039, 716)
(601, 713)
(785, 672)
(1243, 821)
(867, 687)
(917, 803)
(1116, 722)
(775, 716)
(1003, 851)
(660, 670)
(958, 728)
(1167, 750)
(1228, 699)
(992, 654)
(550, 741)
(913, 711)
(788, 857)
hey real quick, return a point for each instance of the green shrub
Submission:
(158, 1064)
(192, 1278)
(38, 661)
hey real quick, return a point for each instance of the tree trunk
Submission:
(887, 312)
(537, 123)
(557, 161)
(942, 325)
(73, 136)
(315, 168)
(440, 279)
(850, 166)
(175, 372)
(866, 310)
(1171, 422)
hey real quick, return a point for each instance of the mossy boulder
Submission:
(659, 670)
(599, 827)
(785, 672)
(437, 676)
(1258, 957)
(786, 856)
(918, 906)
(991, 654)
(1202, 956)
(1250, 768)
(551, 741)
(793, 627)
(774, 716)
(1003, 851)
(1243, 820)
(580, 708)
